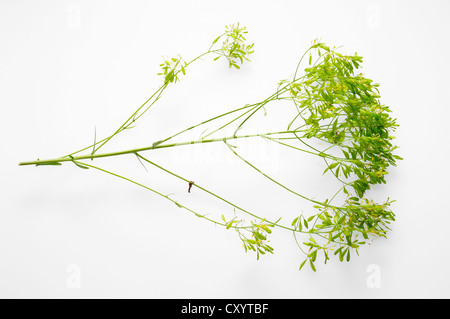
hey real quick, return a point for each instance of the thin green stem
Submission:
(198, 186)
(135, 116)
(204, 122)
(156, 145)
(103, 141)
(157, 193)
(211, 193)
(275, 181)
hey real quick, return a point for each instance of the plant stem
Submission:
(158, 193)
(211, 193)
(275, 181)
(156, 145)
(135, 116)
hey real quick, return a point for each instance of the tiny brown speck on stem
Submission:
(190, 186)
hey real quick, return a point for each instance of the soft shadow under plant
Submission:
(334, 105)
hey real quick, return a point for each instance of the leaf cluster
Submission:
(343, 108)
(233, 47)
(253, 236)
(171, 68)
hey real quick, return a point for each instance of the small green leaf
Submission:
(217, 39)
(156, 143)
(80, 166)
(52, 163)
(333, 165)
(77, 164)
(341, 255)
(312, 265)
(302, 264)
(330, 237)
(313, 255)
(260, 236)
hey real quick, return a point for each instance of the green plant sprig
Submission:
(334, 106)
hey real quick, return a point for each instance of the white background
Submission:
(69, 67)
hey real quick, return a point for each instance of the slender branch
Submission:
(214, 194)
(156, 145)
(158, 193)
(275, 181)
